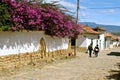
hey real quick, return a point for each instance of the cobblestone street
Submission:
(80, 68)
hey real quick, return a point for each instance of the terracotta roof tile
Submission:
(99, 29)
(89, 30)
(113, 37)
(107, 34)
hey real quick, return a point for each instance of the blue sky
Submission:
(89, 13)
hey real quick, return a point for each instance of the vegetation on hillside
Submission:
(116, 33)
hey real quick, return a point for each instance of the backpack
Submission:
(96, 49)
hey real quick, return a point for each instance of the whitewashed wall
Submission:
(112, 44)
(115, 43)
(88, 42)
(101, 42)
(95, 42)
(81, 41)
(85, 41)
(107, 43)
(22, 42)
(53, 44)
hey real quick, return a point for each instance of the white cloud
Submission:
(109, 11)
(64, 3)
(67, 4)
(83, 7)
(84, 15)
(49, 1)
(71, 7)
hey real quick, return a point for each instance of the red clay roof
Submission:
(113, 37)
(89, 30)
(99, 29)
(107, 34)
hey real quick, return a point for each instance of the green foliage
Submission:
(5, 22)
(116, 33)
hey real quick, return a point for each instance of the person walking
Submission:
(90, 50)
(96, 50)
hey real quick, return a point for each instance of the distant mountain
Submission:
(109, 28)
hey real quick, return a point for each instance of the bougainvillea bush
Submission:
(35, 16)
(5, 22)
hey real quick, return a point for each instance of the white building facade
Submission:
(85, 41)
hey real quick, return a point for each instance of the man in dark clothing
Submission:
(96, 50)
(90, 49)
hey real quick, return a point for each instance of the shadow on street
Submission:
(115, 74)
(114, 54)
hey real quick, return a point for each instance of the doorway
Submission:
(42, 47)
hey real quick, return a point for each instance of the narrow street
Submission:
(80, 68)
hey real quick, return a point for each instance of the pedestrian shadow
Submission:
(114, 74)
(114, 54)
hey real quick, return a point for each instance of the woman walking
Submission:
(96, 50)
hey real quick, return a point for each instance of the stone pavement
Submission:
(80, 68)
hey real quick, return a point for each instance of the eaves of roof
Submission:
(88, 30)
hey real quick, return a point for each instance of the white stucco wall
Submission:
(107, 43)
(53, 44)
(22, 42)
(81, 41)
(85, 41)
(88, 42)
(114, 44)
(101, 42)
(95, 42)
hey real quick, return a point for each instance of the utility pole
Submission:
(77, 16)
(78, 7)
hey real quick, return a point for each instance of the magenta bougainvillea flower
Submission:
(35, 16)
